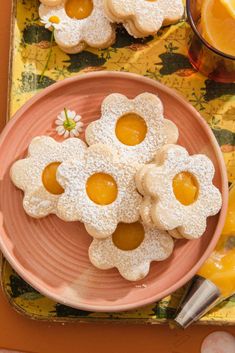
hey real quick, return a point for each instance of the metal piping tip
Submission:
(200, 297)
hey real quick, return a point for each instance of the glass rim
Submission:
(208, 45)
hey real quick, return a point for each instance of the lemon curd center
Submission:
(185, 188)
(49, 179)
(128, 236)
(102, 188)
(131, 129)
(79, 9)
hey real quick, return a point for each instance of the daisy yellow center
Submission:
(79, 9)
(131, 129)
(54, 19)
(49, 179)
(185, 188)
(101, 188)
(128, 236)
(69, 124)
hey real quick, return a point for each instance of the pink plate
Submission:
(50, 254)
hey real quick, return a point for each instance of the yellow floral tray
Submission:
(162, 58)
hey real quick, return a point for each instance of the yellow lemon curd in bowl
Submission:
(220, 267)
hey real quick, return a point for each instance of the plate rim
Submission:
(224, 191)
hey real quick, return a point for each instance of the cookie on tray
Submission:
(77, 24)
(36, 174)
(142, 17)
(179, 192)
(131, 249)
(136, 128)
(51, 2)
(99, 191)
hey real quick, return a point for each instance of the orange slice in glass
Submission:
(218, 24)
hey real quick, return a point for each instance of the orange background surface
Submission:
(20, 333)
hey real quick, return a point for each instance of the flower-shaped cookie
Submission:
(180, 193)
(100, 191)
(78, 24)
(36, 174)
(144, 17)
(135, 127)
(151, 244)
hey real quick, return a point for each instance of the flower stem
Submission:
(69, 123)
(66, 116)
(48, 57)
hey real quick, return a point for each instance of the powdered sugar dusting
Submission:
(161, 205)
(133, 265)
(26, 173)
(100, 221)
(95, 30)
(141, 17)
(146, 105)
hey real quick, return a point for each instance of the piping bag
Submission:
(215, 281)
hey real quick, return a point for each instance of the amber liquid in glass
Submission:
(215, 65)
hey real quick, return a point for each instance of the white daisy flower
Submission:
(52, 22)
(68, 123)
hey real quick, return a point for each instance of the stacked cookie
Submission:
(78, 23)
(132, 186)
(142, 18)
(178, 192)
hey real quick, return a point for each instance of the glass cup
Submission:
(210, 61)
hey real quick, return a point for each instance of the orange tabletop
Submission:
(20, 333)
